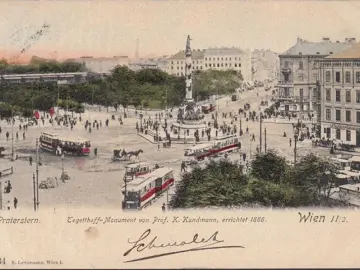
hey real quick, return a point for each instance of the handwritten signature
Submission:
(144, 243)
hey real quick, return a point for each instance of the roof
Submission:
(137, 164)
(350, 173)
(223, 51)
(181, 55)
(199, 146)
(340, 160)
(351, 53)
(303, 47)
(355, 159)
(353, 187)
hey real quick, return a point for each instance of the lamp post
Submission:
(34, 187)
(260, 133)
(1, 196)
(12, 134)
(124, 205)
(241, 132)
(62, 161)
(37, 173)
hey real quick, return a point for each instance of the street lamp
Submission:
(12, 134)
(62, 162)
(34, 187)
(37, 172)
(260, 133)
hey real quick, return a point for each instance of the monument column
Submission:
(188, 71)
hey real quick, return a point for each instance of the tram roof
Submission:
(350, 173)
(198, 146)
(137, 164)
(65, 138)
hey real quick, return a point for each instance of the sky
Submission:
(111, 27)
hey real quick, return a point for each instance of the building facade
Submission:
(176, 63)
(297, 87)
(61, 78)
(340, 96)
(103, 64)
(215, 59)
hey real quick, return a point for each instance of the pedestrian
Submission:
(30, 161)
(95, 152)
(290, 142)
(7, 135)
(15, 202)
(163, 207)
(24, 136)
(158, 146)
(17, 135)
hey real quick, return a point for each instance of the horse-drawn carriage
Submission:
(122, 155)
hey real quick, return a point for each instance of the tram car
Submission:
(143, 190)
(59, 145)
(136, 169)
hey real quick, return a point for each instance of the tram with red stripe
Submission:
(143, 190)
(136, 169)
(224, 144)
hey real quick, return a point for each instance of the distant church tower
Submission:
(137, 49)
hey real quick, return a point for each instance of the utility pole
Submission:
(12, 134)
(1, 196)
(34, 187)
(241, 132)
(37, 173)
(260, 133)
(125, 194)
(265, 140)
(62, 161)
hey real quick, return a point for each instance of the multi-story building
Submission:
(339, 97)
(213, 58)
(176, 63)
(299, 75)
(103, 64)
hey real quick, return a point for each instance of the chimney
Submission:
(326, 40)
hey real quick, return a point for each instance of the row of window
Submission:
(338, 134)
(221, 65)
(338, 77)
(338, 95)
(328, 115)
(196, 67)
(301, 64)
(221, 58)
(182, 62)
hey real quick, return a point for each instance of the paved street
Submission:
(96, 182)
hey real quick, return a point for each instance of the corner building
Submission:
(340, 96)
(297, 87)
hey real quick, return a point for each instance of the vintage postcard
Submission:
(179, 134)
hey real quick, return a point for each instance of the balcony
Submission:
(284, 97)
(286, 70)
(285, 84)
(302, 99)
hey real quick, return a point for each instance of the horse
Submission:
(135, 153)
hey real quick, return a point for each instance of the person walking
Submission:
(30, 161)
(15, 202)
(95, 152)
(290, 142)
(163, 207)
(24, 136)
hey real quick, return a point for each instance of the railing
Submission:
(285, 83)
(286, 70)
(302, 98)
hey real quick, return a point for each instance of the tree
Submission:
(270, 167)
